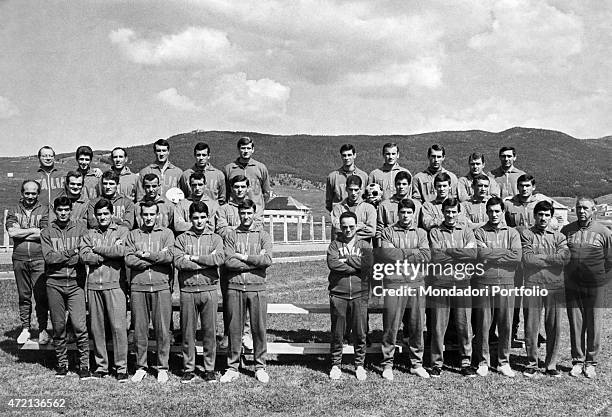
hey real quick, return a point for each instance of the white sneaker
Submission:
(247, 342)
(483, 370)
(335, 373)
(360, 373)
(262, 376)
(139, 375)
(388, 374)
(162, 376)
(589, 371)
(44, 338)
(24, 336)
(229, 376)
(505, 370)
(420, 372)
(576, 370)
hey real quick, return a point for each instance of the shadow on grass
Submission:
(9, 345)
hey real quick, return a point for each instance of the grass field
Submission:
(299, 385)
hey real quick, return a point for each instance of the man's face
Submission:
(391, 155)
(348, 158)
(406, 216)
(354, 191)
(202, 157)
(442, 189)
(481, 189)
(151, 187)
(161, 153)
(435, 159)
(75, 185)
(30, 193)
(542, 219)
(199, 220)
(525, 189)
(109, 187)
(348, 227)
(476, 166)
(119, 159)
(84, 162)
(104, 216)
(62, 213)
(246, 216)
(495, 214)
(246, 151)
(450, 215)
(585, 210)
(197, 187)
(240, 190)
(148, 215)
(402, 187)
(507, 158)
(47, 158)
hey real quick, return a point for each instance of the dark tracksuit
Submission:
(545, 253)
(215, 182)
(65, 287)
(51, 183)
(79, 207)
(150, 292)
(28, 263)
(349, 290)
(124, 211)
(246, 290)
(451, 246)
(101, 251)
(258, 176)
(198, 282)
(405, 244)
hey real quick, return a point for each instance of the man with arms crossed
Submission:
(335, 186)
(385, 175)
(214, 178)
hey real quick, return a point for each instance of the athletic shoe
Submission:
(247, 342)
(420, 372)
(187, 378)
(100, 375)
(44, 338)
(483, 370)
(24, 336)
(139, 375)
(576, 370)
(468, 372)
(335, 373)
(360, 373)
(262, 376)
(162, 376)
(84, 374)
(589, 371)
(435, 372)
(553, 373)
(210, 377)
(388, 374)
(530, 372)
(229, 376)
(61, 371)
(122, 377)
(505, 370)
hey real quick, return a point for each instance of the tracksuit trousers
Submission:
(155, 306)
(202, 304)
(441, 309)
(238, 304)
(30, 280)
(532, 310)
(343, 310)
(108, 306)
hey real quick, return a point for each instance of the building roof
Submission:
(285, 203)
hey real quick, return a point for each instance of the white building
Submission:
(280, 208)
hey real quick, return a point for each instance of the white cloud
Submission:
(193, 46)
(7, 108)
(171, 97)
(422, 72)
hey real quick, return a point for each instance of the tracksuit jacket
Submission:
(100, 251)
(466, 192)
(169, 177)
(227, 218)
(91, 183)
(385, 177)
(506, 180)
(27, 250)
(335, 186)
(431, 215)
(591, 254)
(201, 275)
(124, 211)
(128, 181)
(386, 213)
(50, 184)
(452, 245)
(366, 217)
(257, 173)
(545, 254)
(249, 275)
(349, 276)
(520, 214)
(153, 274)
(79, 206)
(165, 213)
(405, 244)
(475, 212)
(499, 249)
(215, 183)
(423, 185)
(181, 220)
(60, 249)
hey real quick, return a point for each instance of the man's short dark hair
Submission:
(245, 140)
(436, 147)
(390, 145)
(507, 148)
(150, 177)
(544, 205)
(46, 147)
(73, 174)
(103, 203)
(161, 142)
(451, 202)
(247, 204)
(402, 175)
(480, 177)
(201, 146)
(476, 156)
(197, 175)
(239, 178)
(354, 180)
(406, 203)
(29, 181)
(348, 215)
(62, 201)
(148, 204)
(84, 150)
(198, 207)
(494, 201)
(110, 175)
(442, 177)
(347, 147)
(119, 148)
(525, 178)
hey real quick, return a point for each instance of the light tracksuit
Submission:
(215, 183)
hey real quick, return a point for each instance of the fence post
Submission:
(5, 241)
(285, 236)
(299, 230)
(271, 229)
(323, 228)
(312, 237)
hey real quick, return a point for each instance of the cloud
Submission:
(422, 72)
(193, 46)
(172, 98)
(7, 108)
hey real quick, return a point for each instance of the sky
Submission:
(108, 73)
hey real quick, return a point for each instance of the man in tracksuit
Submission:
(181, 217)
(385, 175)
(499, 250)
(151, 186)
(23, 224)
(73, 189)
(167, 173)
(349, 289)
(506, 174)
(365, 212)
(124, 210)
(452, 244)
(197, 254)
(404, 241)
(423, 182)
(51, 179)
(91, 176)
(103, 249)
(431, 213)
(465, 186)
(128, 181)
(335, 184)
(214, 178)
(475, 208)
(545, 253)
(248, 253)
(65, 284)
(587, 285)
(149, 257)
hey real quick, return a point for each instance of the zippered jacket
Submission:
(349, 265)
(200, 275)
(500, 251)
(249, 275)
(404, 244)
(545, 254)
(154, 273)
(591, 254)
(27, 250)
(124, 212)
(104, 252)
(60, 249)
(452, 246)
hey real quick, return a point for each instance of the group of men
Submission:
(102, 237)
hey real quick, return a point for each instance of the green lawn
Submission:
(299, 385)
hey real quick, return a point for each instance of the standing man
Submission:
(475, 208)
(423, 183)
(197, 255)
(73, 190)
(60, 243)
(385, 175)
(335, 187)
(431, 213)
(197, 184)
(124, 210)
(255, 171)
(23, 224)
(587, 285)
(51, 179)
(506, 174)
(248, 253)
(227, 218)
(91, 176)
(103, 249)
(545, 253)
(128, 181)
(465, 189)
(167, 173)
(499, 250)
(214, 178)
(165, 212)
(365, 212)
(149, 257)
(386, 213)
